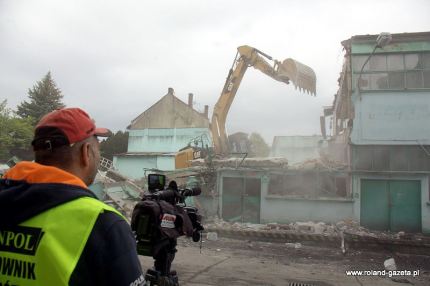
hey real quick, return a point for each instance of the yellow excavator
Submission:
(302, 76)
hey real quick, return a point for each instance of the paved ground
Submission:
(239, 262)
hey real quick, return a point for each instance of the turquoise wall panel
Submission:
(396, 118)
(164, 140)
(134, 166)
(282, 209)
(166, 163)
(286, 210)
(366, 48)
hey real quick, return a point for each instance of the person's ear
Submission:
(85, 154)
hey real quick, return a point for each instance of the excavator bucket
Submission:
(302, 76)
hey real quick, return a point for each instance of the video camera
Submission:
(176, 197)
(159, 219)
(172, 194)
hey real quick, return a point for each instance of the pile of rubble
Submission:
(347, 227)
(318, 164)
(272, 162)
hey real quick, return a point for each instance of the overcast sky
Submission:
(117, 58)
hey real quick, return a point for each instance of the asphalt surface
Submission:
(244, 262)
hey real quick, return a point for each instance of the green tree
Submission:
(115, 144)
(259, 147)
(44, 97)
(15, 134)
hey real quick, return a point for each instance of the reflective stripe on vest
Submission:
(45, 249)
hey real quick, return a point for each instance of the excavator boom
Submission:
(302, 76)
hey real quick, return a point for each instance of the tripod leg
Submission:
(163, 262)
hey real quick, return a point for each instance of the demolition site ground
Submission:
(228, 261)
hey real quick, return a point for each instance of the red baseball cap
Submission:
(66, 126)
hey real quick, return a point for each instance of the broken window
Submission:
(381, 158)
(379, 81)
(426, 78)
(395, 62)
(412, 62)
(392, 71)
(419, 159)
(276, 184)
(327, 185)
(362, 158)
(425, 59)
(399, 159)
(357, 63)
(414, 79)
(341, 186)
(391, 158)
(309, 184)
(332, 185)
(378, 63)
(396, 80)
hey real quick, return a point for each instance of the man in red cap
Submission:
(53, 230)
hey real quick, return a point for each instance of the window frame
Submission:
(371, 76)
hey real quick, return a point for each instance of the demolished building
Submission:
(376, 165)
(380, 118)
(374, 168)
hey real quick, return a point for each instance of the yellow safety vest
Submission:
(45, 249)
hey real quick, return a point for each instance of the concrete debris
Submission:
(117, 191)
(312, 227)
(400, 235)
(346, 228)
(353, 227)
(116, 176)
(296, 245)
(342, 243)
(272, 162)
(318, 164)
(276, 226)
(212, 236)
(3, 168)
(390, 264)
(319, 228)
(254, 226)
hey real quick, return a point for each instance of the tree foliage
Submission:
(259, 147)
(15, 134)
(44, 97)
(115, 144)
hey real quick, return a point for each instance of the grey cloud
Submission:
(117, 58)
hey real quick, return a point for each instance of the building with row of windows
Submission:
(381, 130)
(375, 167)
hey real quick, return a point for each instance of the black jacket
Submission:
(109, 257)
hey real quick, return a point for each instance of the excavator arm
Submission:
(300, 75)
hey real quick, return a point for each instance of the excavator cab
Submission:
(197, 148)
